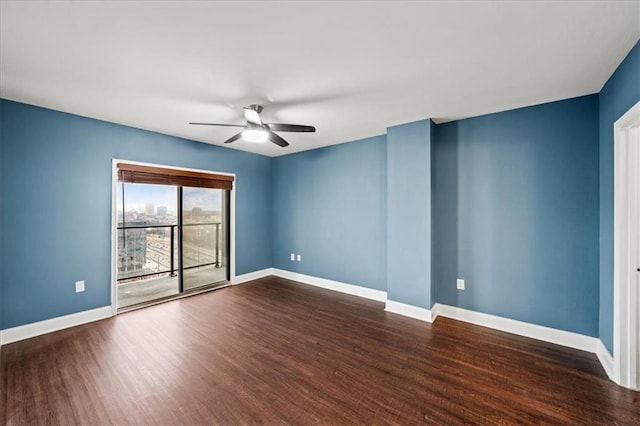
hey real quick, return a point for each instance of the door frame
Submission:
(114, 221)
(626, 251)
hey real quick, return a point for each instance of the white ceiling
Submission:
(349, 68)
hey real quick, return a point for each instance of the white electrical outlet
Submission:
(293, 256)
(460, 284)
(79, 286)
(299, 258)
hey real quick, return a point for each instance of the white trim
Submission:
(354, 290)
(410, 311)
(114, 220)
(435, 311)
(533, 331)
(114, 235)
(34, 329)
(241, 279)
(539, 332)
(232, 231)
(625, 251)
(605, 358)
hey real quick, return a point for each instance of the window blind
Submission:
(134, 173)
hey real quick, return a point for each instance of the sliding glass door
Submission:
(172, 239)
(204, 237)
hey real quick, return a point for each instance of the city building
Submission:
(149, 209)
(132, 250)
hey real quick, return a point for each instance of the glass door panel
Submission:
(204, 247)
(147, 242)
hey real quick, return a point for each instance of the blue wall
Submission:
(329, 206)
(409, 213)
(620, 93)
(516, 214)
(56, 205)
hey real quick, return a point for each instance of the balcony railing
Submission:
(158, 247)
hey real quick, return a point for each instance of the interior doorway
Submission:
(626, 294)
(173, 234)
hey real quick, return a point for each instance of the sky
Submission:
(136, 195)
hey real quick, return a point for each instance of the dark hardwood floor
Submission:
(273, 351)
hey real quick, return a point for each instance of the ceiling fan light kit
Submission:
(259, 132)
(257, 135)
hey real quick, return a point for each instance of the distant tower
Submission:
(149, 209)
(162, 210)
(196, 211)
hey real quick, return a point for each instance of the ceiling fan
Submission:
(257, 131)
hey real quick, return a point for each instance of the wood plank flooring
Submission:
(274, 351)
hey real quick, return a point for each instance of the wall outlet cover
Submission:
(460, 284)
(299, 258)
(293, 256)
(79, 286)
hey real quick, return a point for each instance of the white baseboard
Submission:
(411, 311)
(34, 329)
(546, 334)
(240, 279)
(539, 332)
(354, 290)
(605, 359)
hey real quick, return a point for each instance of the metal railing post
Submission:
(173, 269)
(217, 245)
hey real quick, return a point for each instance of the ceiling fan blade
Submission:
(218, 124)
(280, 127)
(277, 140)
(234, 138)
(252, 116)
